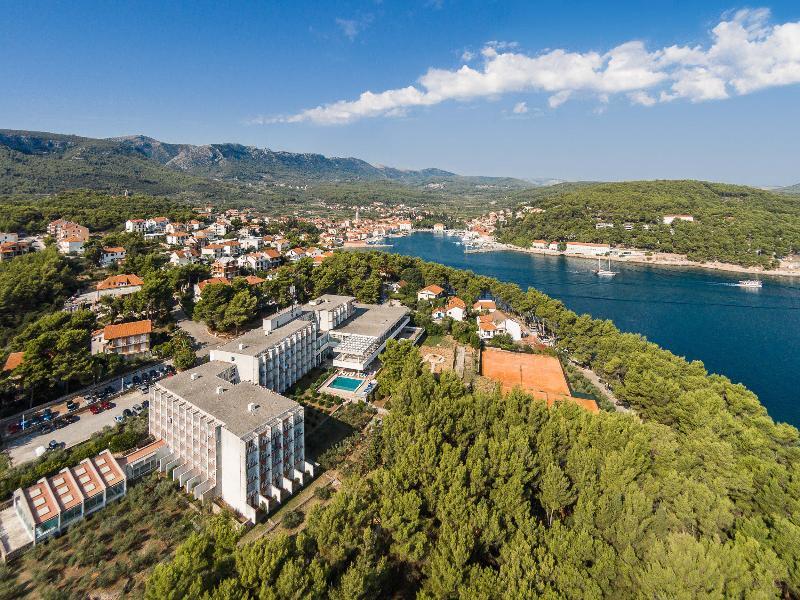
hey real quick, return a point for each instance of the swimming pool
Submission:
(347, 384)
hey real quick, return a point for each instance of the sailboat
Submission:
(601, 272)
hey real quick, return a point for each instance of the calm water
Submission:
(751, 336)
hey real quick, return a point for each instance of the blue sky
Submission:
(706, 90)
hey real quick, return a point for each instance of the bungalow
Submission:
(430, 292)
(124, 339)
(111, 255)
(456, 309)
(438, 313)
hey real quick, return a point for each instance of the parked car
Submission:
(127, 413)
(145, 403)
(144, 389)
(48, 428)
(14, 428)
(72, 405)
(96, 408)
(119, 418)
(60, 423)
(137, 409)
(106, 405)
(54, 445)
(47, 414)
(67, 419)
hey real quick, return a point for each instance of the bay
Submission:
(750, 335)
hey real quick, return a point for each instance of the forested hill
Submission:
(736, 224)
(36, 162)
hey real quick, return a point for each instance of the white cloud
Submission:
(746, 53)
(520, 108)
(352, 27)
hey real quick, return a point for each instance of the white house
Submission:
(430, 292)
(456, 309)
(111, 255)
(8, 237)
(183, 257)
(177, 238)
(498, 322)
(70, 245)
(135, 226)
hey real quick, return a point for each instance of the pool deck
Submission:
(326, 388)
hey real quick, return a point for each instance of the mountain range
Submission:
(40, 162)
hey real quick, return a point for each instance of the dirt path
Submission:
(592, 376)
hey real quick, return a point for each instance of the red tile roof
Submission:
(112, 332)
(116, 281)
(13, 361)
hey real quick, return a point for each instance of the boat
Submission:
(749, 283)
(601, 272)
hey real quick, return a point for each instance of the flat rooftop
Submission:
(229, 407)
(256, 341)
(326, 302)
(372, 320)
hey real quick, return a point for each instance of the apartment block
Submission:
(329, 311)
(236, 441)
(275, 358)
(357, 343)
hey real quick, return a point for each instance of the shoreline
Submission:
(659, 259)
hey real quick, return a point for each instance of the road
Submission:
(199, 332)
(23, 449)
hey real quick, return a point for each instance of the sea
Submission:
(750, 335)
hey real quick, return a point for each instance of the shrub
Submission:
(293, 518)
(323, 492)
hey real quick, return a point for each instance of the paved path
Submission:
(23, 449)
(199, 332)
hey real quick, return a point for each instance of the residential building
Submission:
(135, 226)
(200, 286)
(225, 267)
(11, 249)
(404, 225)
(484, 306)
(260, 261)
(602, 225)
(438, 227)
(456, 309)
(70, 245)
(358, 341)
(187, 256)
(119, 285)
(157, 224)
(275, 358)
(497, 322)
(112, 255)
(537, 374)
(430, 292)
(236, 441)
(124, 338)
(251, 242)
(177, 238)
(61, 229)
(212, 251)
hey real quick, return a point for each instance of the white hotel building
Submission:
(240, 442)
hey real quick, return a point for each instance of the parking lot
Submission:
(23, 449)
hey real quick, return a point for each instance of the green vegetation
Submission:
(481, 495)
(113, 550)
(734, 224)
(95, 210)
(39, 282)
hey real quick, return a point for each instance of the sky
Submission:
(537, 89)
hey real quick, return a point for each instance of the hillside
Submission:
(736, 224)
(36, 162)
(790, 189)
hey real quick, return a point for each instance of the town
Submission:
(221, 427)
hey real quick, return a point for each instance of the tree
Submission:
(241, 309)
(554, 491)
